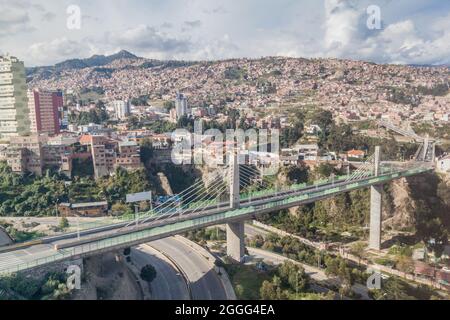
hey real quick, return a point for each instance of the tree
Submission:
(148, 273)
(293, 276)
(257, 241)
(359, 250)
(325, 170)
(63, 223)
(271, 290)
(146, 147)
(291, 134)
(431, 229)
(119, 208)
(324, 119)
(297, 174)
(404, 264)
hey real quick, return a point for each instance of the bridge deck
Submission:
(107, 240)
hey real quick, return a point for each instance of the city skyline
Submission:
(412, 32)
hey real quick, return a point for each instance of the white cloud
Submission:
(148, 39)
(341, 25)
(221, 48)
(401, 43)
(197, 29)
(14, 18)
(57, 50)
(193, 24)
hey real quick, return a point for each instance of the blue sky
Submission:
(413, 31)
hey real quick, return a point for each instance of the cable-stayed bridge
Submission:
(426, 149)
(230, 195)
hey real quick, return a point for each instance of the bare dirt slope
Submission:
(108, 279)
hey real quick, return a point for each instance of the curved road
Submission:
(169, 284)
(204, 282)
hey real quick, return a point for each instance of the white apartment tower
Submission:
(14, 112)
(122, 109)
(181, 105)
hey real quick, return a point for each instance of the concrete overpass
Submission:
(239, 208)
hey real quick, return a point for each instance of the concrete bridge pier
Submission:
(375, 217)
(235, 230)
(235, 240)
(375, 207)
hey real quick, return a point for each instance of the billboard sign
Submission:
(138, 197)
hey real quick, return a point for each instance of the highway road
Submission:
(205, 284)
(4, 237)
(169, 283)
(251, 231)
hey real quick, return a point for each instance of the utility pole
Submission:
(136, 214)
(78, 227)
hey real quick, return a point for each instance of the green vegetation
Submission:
(395, 288)
(246, 280)
(336, 266)
(28, 195)
(289, 280)
(440, 131)
(161, 127)
(179, 179)
(235, 73)
(97, 115)
(87, 95)
(291, 134)
(402, 96)
(140, 101)
(148, 273)
(325, 220)
(202, 235)
(18, 235)
(441, 89)
(63, 223)
(82, 168)
(18, 287)
(146, 147)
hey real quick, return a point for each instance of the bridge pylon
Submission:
(376, 207)
(235, 230)
(234, 181)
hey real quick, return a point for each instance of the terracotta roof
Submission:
(356, 152)
(86, 139)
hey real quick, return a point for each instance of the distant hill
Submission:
(429, 65)
(97, 63)
(94, 61)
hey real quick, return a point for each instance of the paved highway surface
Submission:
(4, 237)
(169, 283)
(205, 284)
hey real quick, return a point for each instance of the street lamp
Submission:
(56, 208)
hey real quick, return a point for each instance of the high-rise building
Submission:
(14, 112)
(58, 104)
(181, 105)
(45, 109)
(122, 108)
